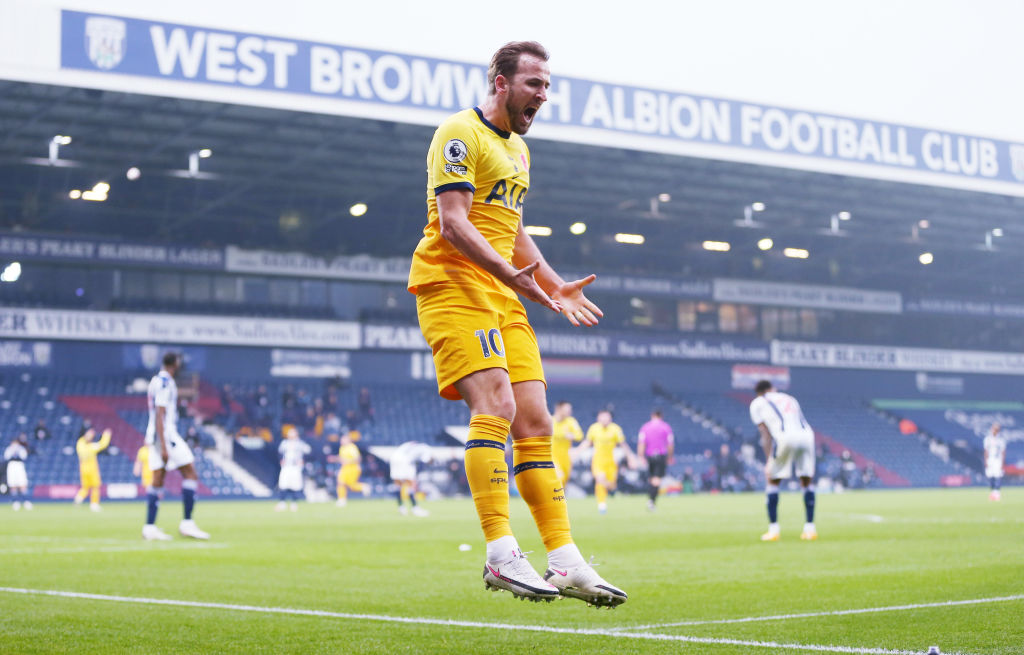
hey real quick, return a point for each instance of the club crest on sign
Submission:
(41, 352)
(105, 41)
(1017, 161)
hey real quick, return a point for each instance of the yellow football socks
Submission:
(540, 487)
(487, 473)
(600, 492)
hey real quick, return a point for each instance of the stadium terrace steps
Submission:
(64, 402)
(968, 427)
(104, 413)
(885, 476)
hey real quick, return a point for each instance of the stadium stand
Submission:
(68, 404)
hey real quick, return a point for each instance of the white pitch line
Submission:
(49, 550)
(864, 610)
(464, 624)
(873, 518)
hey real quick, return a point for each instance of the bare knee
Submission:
(532, 416)
(502, 405)
(532, 425)
(488, 392)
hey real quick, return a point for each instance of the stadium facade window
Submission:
(255, 290)
(808, 323)
(707, 317)
(789, 322)
(653, 313)
(167, 286)
(728, 318)
(227, 288)
(748, 322)
(314, 293)
(134, 284)
(769, 323)
(283, 292)
(686, 315)
(197, 287)
(339, 297)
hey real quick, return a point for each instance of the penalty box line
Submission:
(784, 617)
(462, 624)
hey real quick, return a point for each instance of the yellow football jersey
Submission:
(349, 453)
(566, 431)
(87, 450)
(605, 438)
(469, 152)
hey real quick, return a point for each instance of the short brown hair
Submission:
(505, 61)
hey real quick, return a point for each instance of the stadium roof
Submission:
(287, 180)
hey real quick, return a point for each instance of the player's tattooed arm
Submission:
(453, 210)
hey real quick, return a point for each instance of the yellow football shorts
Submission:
(349, 474)
(470, 329)
(608, 468)
(90, 477)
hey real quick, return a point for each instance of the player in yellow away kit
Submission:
(603, 436)
(473, 260)
(141, 467)
(351, 469)
(566, 431)
(89, 468)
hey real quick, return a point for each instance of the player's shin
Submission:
(772, 493)
(809, 501)
(540, 487)
(188, 496)
(152, 504)
(487, 473)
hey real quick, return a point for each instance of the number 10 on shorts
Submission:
(490, 341)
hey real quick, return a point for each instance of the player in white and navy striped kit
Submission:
(788, 442)
(995, 456)
(17, 478)
(289, 482)
(168, 452)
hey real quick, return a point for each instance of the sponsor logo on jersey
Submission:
(453, 168)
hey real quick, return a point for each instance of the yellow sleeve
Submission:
(592, 432)
(104, 441)
(619, 436)
(80, 446)
(575, 429)
(453, 157)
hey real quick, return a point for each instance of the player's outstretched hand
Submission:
(576, 306)
(523, 282)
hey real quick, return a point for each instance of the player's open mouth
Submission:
(529, 113)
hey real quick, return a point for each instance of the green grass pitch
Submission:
(696, 561)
